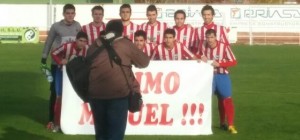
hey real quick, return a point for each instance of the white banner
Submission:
(177, 101)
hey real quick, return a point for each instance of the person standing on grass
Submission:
(171, 49)
(108, 89)
(208, 14)
(184, 32)
(62, 56)
(61, 32)
(140, 42)
(94, 28)
(153, 27)
(129, 28)
(222, 57)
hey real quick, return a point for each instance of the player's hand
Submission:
(43, 66)
(215, 64)
(64, 61)
(204, 58)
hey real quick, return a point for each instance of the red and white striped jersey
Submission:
(179, 52)
(148, 49)
(92, 31)
(222, 54)
(68, 51)
(129, 30)
(155, 34)
(200, 33)
(185, 35)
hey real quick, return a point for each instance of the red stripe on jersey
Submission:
(179, 52)
(129, 30)
(185, 35)
(148, 49)
(200, 33)
(154, 33)
(92, 31)
(68, 51)
(222, 54)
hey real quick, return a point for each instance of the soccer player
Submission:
(129, 27)
(153, 27)
(171, 49)
(184, 32)
(222, 57)
(61, 56)
(94, 28)
(140, 42)
(60, 32)
(208, 14)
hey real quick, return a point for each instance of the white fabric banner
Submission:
(177, 101)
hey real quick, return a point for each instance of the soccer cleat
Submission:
(50, 126)
(224, 127)
(232, 129)
(56, 129)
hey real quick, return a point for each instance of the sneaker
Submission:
(232, 129)
(224, 127)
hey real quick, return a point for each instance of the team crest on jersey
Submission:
(152, 39)
(217, 57)
(184, 37)
(175, 56)
(158, 32)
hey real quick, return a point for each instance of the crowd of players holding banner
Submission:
(67, 39)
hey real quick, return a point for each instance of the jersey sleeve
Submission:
(58, 54)
(229, 59)
(50, 39)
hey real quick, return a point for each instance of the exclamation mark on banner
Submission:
(193, 110)
(201, 110)
(184, 111)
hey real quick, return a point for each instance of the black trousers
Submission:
(110, 118)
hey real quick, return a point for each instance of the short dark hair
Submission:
(81, 34)
(208, 7)
(97, 7)
(170, 31)
(151, 8)
(211, 31)
(125, 6)
(141, 33)
(68, 6)
(179, 12)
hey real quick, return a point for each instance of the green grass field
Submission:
(265, 84)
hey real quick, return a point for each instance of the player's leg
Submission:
(52, 98)
(57, 109)
(221, 108)
(225, 93)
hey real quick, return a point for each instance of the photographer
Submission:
(108, 89)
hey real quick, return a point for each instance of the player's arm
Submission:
(57, 55)
(230, 58)
(187, 53)
(48, 44)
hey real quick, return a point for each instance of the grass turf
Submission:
(265, 87)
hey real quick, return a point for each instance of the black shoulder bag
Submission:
(78, 70)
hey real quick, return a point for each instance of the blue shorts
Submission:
(222, 85)
(58, 81)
